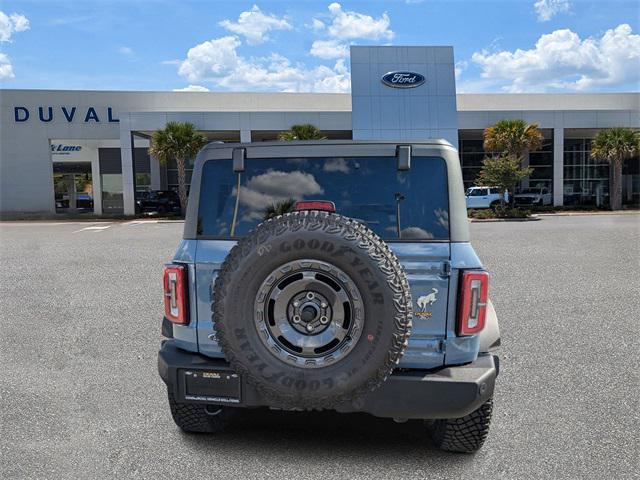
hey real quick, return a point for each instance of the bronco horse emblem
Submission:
(426, 300)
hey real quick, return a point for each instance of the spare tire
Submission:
(313, 309)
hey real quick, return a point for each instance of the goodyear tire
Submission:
(313, 309)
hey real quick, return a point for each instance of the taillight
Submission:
(472, 310)
(175, 293)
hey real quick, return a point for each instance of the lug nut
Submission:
(296, 319)
(309, 327)
(324, 320)
(310, 296)
(323, 305)
(296, 304)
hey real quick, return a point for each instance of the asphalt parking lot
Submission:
(80, 396)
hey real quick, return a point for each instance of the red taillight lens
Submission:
(472, 310)
(316, 205)
(175, 293)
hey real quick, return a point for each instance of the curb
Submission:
(490, 220)
(577, 214)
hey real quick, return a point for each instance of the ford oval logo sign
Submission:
(403, 79)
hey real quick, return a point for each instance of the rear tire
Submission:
(192, 418)
(464, 435)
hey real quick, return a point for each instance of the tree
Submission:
(180, 141)
(279, 208)
(513, 137)
(301, 132)
(504, 172)
(615, 145)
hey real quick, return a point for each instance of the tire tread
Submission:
(466, 434)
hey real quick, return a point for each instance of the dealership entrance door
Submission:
(73, 187)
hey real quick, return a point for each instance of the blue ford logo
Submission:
(403, 79)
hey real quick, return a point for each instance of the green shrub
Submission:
(499, 213)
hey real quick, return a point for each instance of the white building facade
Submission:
(86, 151)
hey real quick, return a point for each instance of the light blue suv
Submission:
(330, 275)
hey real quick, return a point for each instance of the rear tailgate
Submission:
(427, 267)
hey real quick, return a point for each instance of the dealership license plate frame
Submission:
(217, 386)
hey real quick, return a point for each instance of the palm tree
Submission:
(279, 208)
(513, 137)
(305, 131)
(615, 145)
(180, 141)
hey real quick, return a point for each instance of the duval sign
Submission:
(401, 79)
(69, 114)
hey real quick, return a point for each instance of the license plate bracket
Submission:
(218, 386)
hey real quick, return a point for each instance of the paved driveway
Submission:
(80, 396)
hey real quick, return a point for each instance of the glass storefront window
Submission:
(586, 181)
(143, 182)
(112, 201)
(73, 187)
(542, 163)
(472, 154)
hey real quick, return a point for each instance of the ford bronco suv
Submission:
(330, 275)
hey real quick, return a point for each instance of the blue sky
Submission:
(500, 46)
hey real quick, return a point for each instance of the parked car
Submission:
(158, 201)
(484, 197)
(312, 309)
(533, 196)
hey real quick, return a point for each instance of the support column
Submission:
(126, 157)
(96, 182)
(558, 167)
(245, 136)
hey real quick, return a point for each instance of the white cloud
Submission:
(336, 165)
(347, 25)
(192, 88)
(127, 51)
(317, 25)
(6, 70)
(275, 186)
(10, 24)
(460, 67)
(547, 9)
(254, 25)
(217, 61)
(211, 59)
(561, 60)
(329, 49)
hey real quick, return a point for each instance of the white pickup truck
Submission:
(484, 197)
(533, 196)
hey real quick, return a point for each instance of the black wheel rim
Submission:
(308, 313)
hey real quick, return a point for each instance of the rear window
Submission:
(369, 189)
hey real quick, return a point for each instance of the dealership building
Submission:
(78, 151)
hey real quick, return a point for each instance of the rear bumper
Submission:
(450, 392)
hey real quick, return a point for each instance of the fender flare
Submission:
(490, 335)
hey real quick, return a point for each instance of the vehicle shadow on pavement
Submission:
(323, 434)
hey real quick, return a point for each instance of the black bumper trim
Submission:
(449, 392)
(167, 328)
